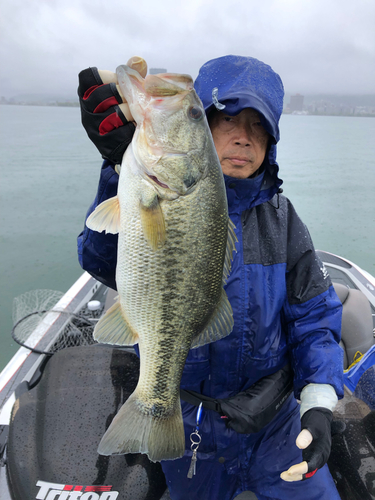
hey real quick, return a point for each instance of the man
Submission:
(284, 306)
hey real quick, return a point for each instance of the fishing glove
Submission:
(315, 442)
(317, 404)
(318, 422)
(102, 117)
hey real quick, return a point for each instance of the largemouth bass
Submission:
(174, 254)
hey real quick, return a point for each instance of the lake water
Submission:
(49, 172)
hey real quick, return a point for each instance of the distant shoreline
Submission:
(68, 104)
(75, 104)
(317, 113)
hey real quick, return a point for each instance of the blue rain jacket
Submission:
(284, 305)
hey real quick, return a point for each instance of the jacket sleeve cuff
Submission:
(317, 395)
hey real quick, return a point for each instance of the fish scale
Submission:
(173, 258)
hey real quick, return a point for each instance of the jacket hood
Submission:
(233, 83)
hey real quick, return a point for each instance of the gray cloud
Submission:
(315, 45)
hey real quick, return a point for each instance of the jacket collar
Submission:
(242, 193)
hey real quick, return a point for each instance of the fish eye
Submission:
(195, 113)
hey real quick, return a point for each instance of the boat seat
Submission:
(357, 326)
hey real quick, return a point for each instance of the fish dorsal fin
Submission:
(158, 87)
(231, 247)
(152, 218)
(219, 326)
(112, 328)
(106, 217)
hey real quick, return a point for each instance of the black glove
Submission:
(318, 422)
(102, 118)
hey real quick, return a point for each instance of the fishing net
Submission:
(36, 311)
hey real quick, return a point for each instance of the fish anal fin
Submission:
(219, 326)
(112, 328)
(106, 217)
(152, 219)
(231, 247)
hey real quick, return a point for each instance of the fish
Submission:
(175, 246)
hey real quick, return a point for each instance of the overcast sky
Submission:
(317, 46)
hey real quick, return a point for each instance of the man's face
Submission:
(240, 141)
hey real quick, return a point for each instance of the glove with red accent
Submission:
(105, 115)
(315, 441)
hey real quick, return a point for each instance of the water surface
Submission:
(49, 172)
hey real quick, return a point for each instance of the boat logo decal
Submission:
(56, 491)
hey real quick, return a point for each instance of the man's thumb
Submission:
(304, 439)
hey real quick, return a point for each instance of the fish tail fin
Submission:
(133, 431)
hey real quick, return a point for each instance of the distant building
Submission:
(296, 103)
(155, 71)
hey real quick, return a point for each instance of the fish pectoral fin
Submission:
(112, 328)
(152, 218)
(231, 247)
(219, 326)
(106, 217)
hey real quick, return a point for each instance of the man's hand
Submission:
(105, 113)
(315, 442)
